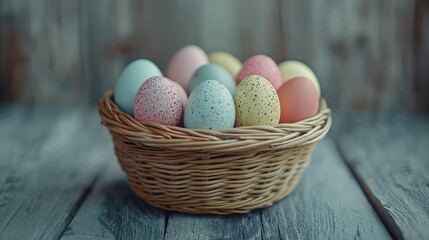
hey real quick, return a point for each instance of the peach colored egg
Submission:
(158, 100)
(184, 63)
(299, 100)
(263, 66)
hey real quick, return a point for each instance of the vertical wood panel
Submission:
(367, 54)
(361, 50)
(421, 51)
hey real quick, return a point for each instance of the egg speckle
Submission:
(210, 106)
(256, 102)
(263, 66)
(158, 100)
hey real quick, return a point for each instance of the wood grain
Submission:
(421, 54)
(328, 204)
(47, 167)
(360, 50)
(367, 55)
(388, 154)
(113, 211)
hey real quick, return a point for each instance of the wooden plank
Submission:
(421, 55)
(388, 154)
(49, 160)
(328, 204)
(360, 50)
(113, 211)
(187, 226)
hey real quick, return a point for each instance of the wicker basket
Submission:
(206, 171)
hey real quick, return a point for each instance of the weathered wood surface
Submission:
(113, 211)
(327, 205)
(367, 54)
(59, 178)
(389, 155)
(48, 162)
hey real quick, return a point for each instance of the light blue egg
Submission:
(130, 80)
(212, 72)
(210, 106)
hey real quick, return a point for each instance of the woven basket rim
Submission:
(301, 133)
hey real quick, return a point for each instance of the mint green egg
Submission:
(130, 80)
(210, 106)
(213, 72)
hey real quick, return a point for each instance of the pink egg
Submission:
(158, 100)
(182, 93)
(263, 66)
(184, 63)
(184, 98)
(299, 100)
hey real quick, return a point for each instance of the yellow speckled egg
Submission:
(256, 102)
(292, 69)
(227, 61)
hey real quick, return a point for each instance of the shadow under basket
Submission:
(207, 171)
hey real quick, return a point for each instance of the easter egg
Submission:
(182, 93)
(184, 63)
(292, 69)
(227, 61)
(256, 102)
(210, 106)
(299, 100)
(130, 80)
(212, 72)
(158, 100)
(263, 66)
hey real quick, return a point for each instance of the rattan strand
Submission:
(206, 171)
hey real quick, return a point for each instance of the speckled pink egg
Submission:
(263, 66)
(184, 63)
(182, 93)
(158, 100)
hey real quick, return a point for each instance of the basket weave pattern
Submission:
(207, 171)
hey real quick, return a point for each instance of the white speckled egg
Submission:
(210, 106)
(130, 80)
(158, 100)
(256, 102)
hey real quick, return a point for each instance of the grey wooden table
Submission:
(59, 178)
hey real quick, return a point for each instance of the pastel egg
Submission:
(130, 80)
(210, 106)
(184, 63)
(263, 66)
(299, 100)
(227, 61)
(158, 100)
(212, 72)
(292, 69)
(256, 102)
(182, 93)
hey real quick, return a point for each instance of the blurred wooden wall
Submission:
(367, 53)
